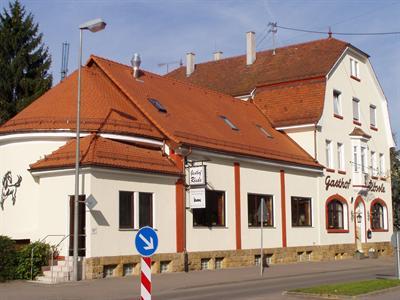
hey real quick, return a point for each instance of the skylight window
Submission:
(264, 131)
(157, 105)
(229, 123)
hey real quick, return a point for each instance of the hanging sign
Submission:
(197, 198)
(197, 175)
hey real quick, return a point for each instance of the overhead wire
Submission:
(338, 33)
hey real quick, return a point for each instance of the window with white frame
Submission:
(329, 160)
(355, 158)
(374, 167)
(337, 105)
(340, 156)
(135, 210)
(364, 161)
(381, 165)
(372, 115)
(354, 68)
(356, 109)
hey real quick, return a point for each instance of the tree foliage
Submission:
(8, 258)
(24, 61)
(395, 179)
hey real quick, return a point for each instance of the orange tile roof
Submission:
(193, 116)
(232, 76)
(103, 109)
(295, 103)
(101, 152)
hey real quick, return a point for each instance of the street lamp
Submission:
(93, 26)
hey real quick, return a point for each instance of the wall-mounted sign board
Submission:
(197, 175)
(197, 198)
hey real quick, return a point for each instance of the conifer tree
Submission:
(24, 61)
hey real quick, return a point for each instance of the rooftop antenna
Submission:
(167, 64)
(274, 30)
(64, 60)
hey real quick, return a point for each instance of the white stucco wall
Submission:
(220, 177)
(108, 240)
(338, 130)
(260, 180)
(23, 220)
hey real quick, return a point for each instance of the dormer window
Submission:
(354, 69)
(229, 123)
(157, 105)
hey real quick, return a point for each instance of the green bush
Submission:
(7, 258)
(41, 256)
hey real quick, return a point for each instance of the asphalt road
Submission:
(244, 283)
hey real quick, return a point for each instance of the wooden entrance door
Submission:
(81, 226)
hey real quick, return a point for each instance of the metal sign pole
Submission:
(262, 245)
(397, 254)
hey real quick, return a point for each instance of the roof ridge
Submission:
(260, 52)
(182, 83)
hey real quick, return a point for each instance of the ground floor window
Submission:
(254, 210)
(214, 212)
(378, 215)
(145, 209)
(336, 214)
(301, 211)
(143, 202)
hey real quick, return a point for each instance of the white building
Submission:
(142, 135)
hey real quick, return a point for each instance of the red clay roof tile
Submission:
(292, 104)
(193, 116)
(232, 76)
(103, 109)
(98, 151)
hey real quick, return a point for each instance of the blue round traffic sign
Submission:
(146, 241)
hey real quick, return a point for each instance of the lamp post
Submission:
(93, 26)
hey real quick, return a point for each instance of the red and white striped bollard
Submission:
(145, 278)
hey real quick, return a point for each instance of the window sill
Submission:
(302, 226)
(373, 128)
(330, 170)
(355, 78)
(209, 227)
(342, 172)
(259, 227)
(338, 116)
(355, 122)
(337, 230)
(133, 229)
(379, 230)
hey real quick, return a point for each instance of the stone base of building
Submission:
(99, 267)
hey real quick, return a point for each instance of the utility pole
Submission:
(273, 29)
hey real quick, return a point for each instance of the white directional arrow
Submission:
(149, 244)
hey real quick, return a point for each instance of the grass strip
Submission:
(350, 288)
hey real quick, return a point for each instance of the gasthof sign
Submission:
(197, 175)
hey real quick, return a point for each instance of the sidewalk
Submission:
(276, 279)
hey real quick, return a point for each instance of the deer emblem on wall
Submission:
(9, 188)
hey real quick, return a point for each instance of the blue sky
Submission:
(163, 31)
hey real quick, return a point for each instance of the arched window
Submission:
(378, 215)
(335, 215)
